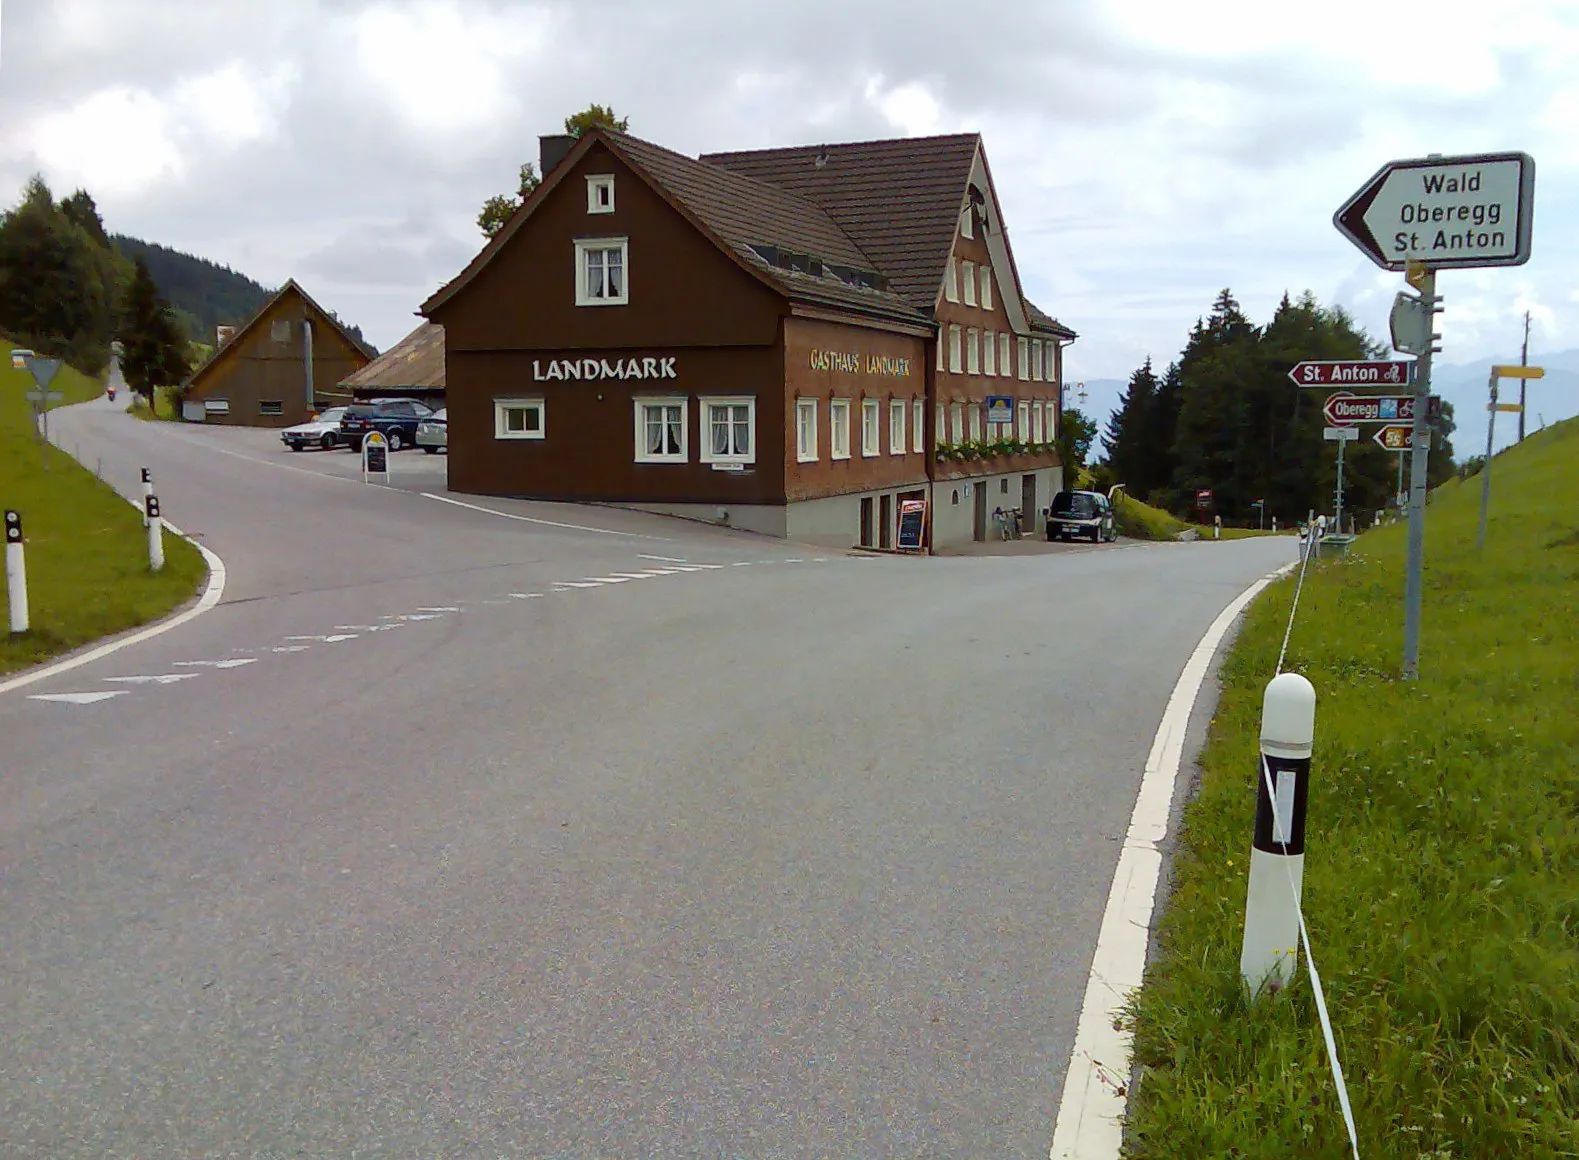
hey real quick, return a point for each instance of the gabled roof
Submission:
(415, 361)
(1041, 320)
(899, 200)
(220, 352)
(752, 221)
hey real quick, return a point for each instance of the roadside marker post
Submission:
(155, 533)
(148, 490)
(1269, 957)
(1498, 372)
(16, 571)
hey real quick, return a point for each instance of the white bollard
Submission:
(148, 490)
(1270, 954)
(16, 571)
(1217, 527)
(155, 533)
(1274, 523)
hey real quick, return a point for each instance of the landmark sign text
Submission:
(1343, 409)
(1352, 372)
(1444, 212)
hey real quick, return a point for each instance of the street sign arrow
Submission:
(1467, 211)
(1352, 373)
(1345, 409)
(1396, 437)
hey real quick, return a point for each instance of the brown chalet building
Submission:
(786, 340)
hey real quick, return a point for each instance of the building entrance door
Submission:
(1028, 517)
(885, 521)
(979, 528)
(866, 522)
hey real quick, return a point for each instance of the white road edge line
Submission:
(533, 520)
(1090, 1124)
(211, 596)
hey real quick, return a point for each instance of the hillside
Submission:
(203, 294)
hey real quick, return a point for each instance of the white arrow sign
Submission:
(1445, 212)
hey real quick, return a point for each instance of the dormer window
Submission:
(600, 193)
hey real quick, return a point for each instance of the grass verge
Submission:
(86, 550)
(166, 408)
(1443, 840)
(1141, 521)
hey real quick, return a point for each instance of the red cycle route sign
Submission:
(1352, 372)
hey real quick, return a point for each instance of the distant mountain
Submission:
(1548, 400)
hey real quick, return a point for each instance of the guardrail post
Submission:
(148, 490)
(155, 533)
(1270, 955)
(16, 571)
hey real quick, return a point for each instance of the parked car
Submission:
(322, 430)
(1081, 513)
(433, 433)
(396, 419)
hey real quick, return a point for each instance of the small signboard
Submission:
(1000, 408)
(19, 357)
(1203, 497)
(1344, 409)
(1395, 437)
(375, 456)
(40, 397)
(912, 524)
(1340, 434)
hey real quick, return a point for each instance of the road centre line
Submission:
(663, 559)
(534, 520)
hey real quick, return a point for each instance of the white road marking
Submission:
(567, 585)
(445, 609)
(662, 571)
(795, 560)
(289, 648)
(532, 520)
(635, 575)
(235, 664)
(210, 597)
(339, 636)
(742, 563)
(307, 638)
(418, 616)
(664, 559)
(607, 579)
(76, 698)
(524, 595)
(161, 679)
(1090, 1124)
(360, 627)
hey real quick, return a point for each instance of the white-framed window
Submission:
(940, 432)
(942, 347)
(896, 427)
(602, 271)
(975, 422)
(729, 428)
(986, 287)
(806, 430)
(967, 280)
(1050, 360)
(1022, 421)
(1023, 350)
(600, 193)
(1036, 360)
(839, 429)
(956, 361)
(1004, 368)
(1037, 426)
(951, 281)
(271, 407)
(661, 431)
(918, 425)
(967, 224)
(216, 406)
(518, 418)
(973, 351)
(1050, 410)
(871, 426)
(957, 421)
(989, 353)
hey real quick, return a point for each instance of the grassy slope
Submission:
(87, 552)
(1440, 885)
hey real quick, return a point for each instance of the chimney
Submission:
(223, 334)
(551, 151)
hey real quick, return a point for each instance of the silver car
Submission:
(322, 430)
(433, 433)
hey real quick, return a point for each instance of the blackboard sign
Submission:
(375, 455)
(912, 523)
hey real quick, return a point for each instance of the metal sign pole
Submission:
(1414, 581)
(1337, 499)
(1485, 468)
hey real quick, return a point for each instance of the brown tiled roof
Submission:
(415, 361)
(1041, 320)
(898, 200)
(230, 344)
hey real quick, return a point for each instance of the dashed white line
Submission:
(232, 664)
(664, 559)
(742, 564)
(606, 579)
(524, 595)
(290, 648)
(159, 679)
(532, 520)
(76, 698)
(445, 609)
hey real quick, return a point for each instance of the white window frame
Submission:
(986, 287)
(271, 406)
(584, 246)
(1051, 428)
(956, 362)
(957, 421)
(918, 425)
(1036, 360)
(597, 184)
(942, 347)
(642, 402)
(1023, 350)
(1050, 360)
(989, 352)
(805, 449)
(1022, 420)
(871, 427)
(1038, 418)
(967, 222)
(951, 281)
(975, 423)
(216, 406)
(968, 282)
(973, 351)
(705, 431)
(839, 425)
(502, 406)
(1005, 367)
(940, 432)
(896, 426)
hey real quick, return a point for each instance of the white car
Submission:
(322, 430)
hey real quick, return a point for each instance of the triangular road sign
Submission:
(43, 370)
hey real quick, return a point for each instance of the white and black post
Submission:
(1277, 854)
(16, 571)
(155, 533)
(148, 490)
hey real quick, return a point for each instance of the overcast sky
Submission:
(1147, 152)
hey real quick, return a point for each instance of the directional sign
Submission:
(1340, 434)
(1444, 212)
(43, 370)
(1410, 324)
(1344, 409)
(1352, 372)
(37, 396)
(1396, 437)
(1519, 372)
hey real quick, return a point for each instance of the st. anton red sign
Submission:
(1352, 373)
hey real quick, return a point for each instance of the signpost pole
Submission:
(1337, 499)
(1485, 468)
(1414, 580)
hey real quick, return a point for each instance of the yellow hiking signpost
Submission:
(1498, 373)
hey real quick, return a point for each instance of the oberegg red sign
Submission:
(1344, 409)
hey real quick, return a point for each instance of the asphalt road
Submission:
(508, 838)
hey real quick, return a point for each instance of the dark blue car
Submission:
(396, 419)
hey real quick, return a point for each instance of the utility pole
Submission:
(1524, 361)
